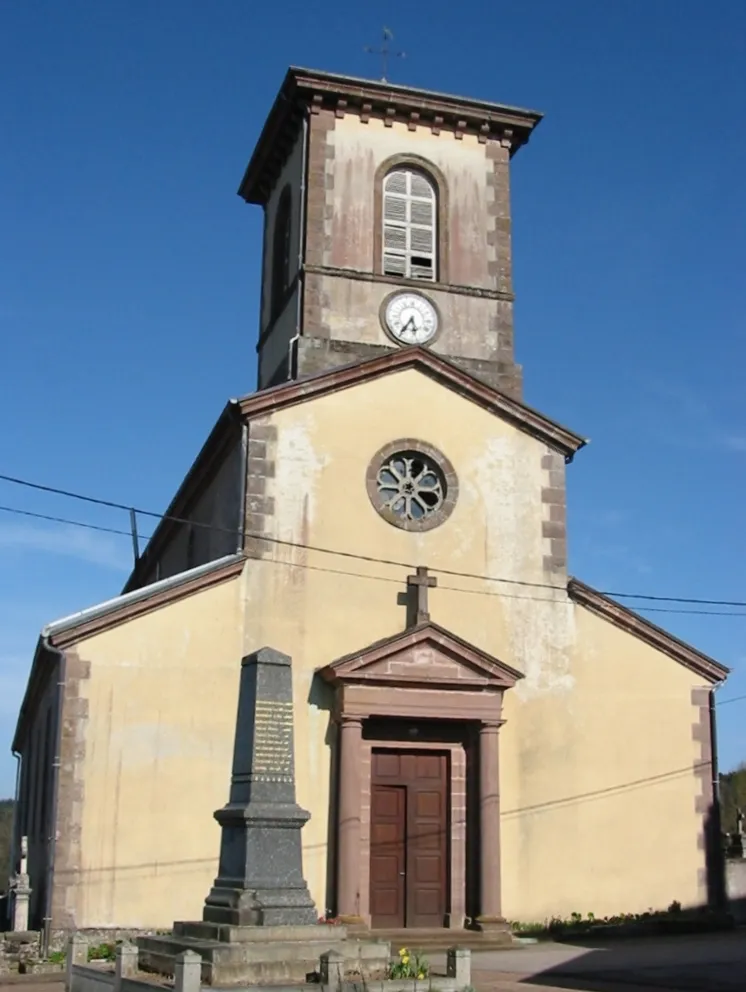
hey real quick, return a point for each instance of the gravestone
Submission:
(260, 875)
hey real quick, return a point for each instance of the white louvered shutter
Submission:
(409, 205)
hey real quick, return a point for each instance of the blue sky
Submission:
(129, 276)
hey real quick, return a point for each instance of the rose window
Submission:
(410, 485)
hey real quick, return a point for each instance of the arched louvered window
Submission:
(410, 206)
(281, 252)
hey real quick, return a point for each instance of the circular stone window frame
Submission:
(401, 446)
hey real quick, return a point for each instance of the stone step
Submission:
(225, 933)
(441, 939)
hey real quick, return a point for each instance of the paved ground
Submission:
(698, 963)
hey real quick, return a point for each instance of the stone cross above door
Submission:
(420, 582)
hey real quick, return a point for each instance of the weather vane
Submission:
(385, 52)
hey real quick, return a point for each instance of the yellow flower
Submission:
(421, 975)
(402, 952)
(405, 959)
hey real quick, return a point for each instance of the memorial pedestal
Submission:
(262, 954)
(259, 921)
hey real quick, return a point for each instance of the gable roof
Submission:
(368, 665)
(632, 623)
(434, 366)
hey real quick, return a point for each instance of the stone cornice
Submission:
(307, 91)
(480, 670)
(632, 623)
(267, 401)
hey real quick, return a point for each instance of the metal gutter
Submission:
(136, 596)
(242, 488)
(717, 888)
(293, 344)
(56, 763)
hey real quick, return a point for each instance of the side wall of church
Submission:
(280, 327)
(158, 701)
(217, 520)
(33, 817)
(597, 753)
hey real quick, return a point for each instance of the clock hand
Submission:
(409, 326)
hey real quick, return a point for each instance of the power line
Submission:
(382, 578)
(64, 520)
(110, 504)
(733, 699)
(485, 592)
(91, 499)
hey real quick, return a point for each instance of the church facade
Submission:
(478, 736)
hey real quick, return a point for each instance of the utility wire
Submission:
(381, 578)
(733, 699)
(65, 520)
(487, 592)
(331, 551)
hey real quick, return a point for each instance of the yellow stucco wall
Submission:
(161, 717)
(598, 711)
(597, 751)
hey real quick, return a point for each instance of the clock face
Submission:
(411, 318)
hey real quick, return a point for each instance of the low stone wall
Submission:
(16, 949)
(101, 935)
(84, 978)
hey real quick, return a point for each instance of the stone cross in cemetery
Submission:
(260, 874)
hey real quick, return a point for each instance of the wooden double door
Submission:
(409, 838)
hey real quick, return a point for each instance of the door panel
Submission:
(409, 839)
(387, 855)
(427, 837)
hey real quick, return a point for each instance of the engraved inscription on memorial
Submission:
(273, 741)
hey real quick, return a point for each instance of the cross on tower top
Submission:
(421, 581)
(385, 52)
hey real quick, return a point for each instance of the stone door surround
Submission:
(423, 673)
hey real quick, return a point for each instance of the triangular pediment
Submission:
(423, 656)
(442, 371)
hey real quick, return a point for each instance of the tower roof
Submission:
(317, 90)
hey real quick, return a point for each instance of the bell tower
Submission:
(386, 224)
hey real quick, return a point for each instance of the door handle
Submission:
(402, 873)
